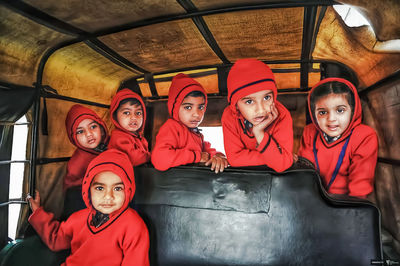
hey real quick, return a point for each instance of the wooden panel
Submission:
(263, 34)
(95, 15)
(164, 46)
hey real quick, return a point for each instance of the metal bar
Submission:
(14, 161)
(5, 123)
(389, 79)
(389, 161)
(308, 32)
(13, 201)
(34, 143)
(114, 57)
(71, 99)
(42, 161)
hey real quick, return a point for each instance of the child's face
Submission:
(130, 117)
(107, 192)
(333, 114)
(256, 107)
(191, 111)
(88, 133)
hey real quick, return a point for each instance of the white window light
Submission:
(215, 137)
(351, 16)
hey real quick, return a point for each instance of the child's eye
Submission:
(267, 98)
(79, 132)
(201, 107)
(248, 102)
(119, 188)
(99, 188)
(321, 113)
(126, 113)
(341, 110)
(188, 107)
(139, 113)
(93, 126)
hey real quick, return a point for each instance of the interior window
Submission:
(214, 136)
(351, 16)
(17, 173)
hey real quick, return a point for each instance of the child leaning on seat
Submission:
(343, 150)
(88, 132)
(107, 232)
(257, 128)
(179, 141)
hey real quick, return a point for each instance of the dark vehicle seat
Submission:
(253, 217)
(239, 217)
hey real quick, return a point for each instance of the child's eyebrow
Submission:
(187, 103)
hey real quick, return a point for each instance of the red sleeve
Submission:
(275, 150)
(306, 143)
(362, 167)
(136, 245)
(56, 235)
(166, 152)
(135, 148)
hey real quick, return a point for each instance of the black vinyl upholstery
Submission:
(252, 217)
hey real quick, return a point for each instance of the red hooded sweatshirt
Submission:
(133, 144)
(122, 240)
(248, 76)
(82, 156)
(176, 144)
(355, 176)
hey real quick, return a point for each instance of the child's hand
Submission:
(204, 157)
(295, 158)
(34, 203)
(258, 130)
(218, 163)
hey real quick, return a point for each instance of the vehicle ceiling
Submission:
(87, 49)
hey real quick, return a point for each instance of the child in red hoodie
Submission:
(179, 141)
(107, 232)
(257, 128)
(128, 113)
(343, 150)
(88, 132)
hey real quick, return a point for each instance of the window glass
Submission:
(215, 137)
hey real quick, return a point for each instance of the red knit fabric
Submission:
(248, 76)
(356, 174)
(122, 240)
(134, 145)
(176, 144)
(82, 156)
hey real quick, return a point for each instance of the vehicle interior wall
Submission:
(381, 110)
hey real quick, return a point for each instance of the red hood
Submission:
(117, 162)
(181, 86)
(122, 95)
(248, 76)
(77, 114)
(357, 112)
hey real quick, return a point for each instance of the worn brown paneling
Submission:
(335, 41)
(263, 34)
(94, 15)
(22, 44)
(164, 46)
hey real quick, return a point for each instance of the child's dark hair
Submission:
(334, 87)
(195, 94)
(131, 101)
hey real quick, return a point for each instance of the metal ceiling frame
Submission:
(193, 13)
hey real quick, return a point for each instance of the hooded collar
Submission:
(248, 76)
(181, 86)
(357, 110)
(118, 163)
(120, 96)
(77, 114)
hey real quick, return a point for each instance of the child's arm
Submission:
(217, 161)
(166, 154)
(275, 150)
(306, 143)
(136, 245)
(138, 153)
(362, 167)
(52, 232)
